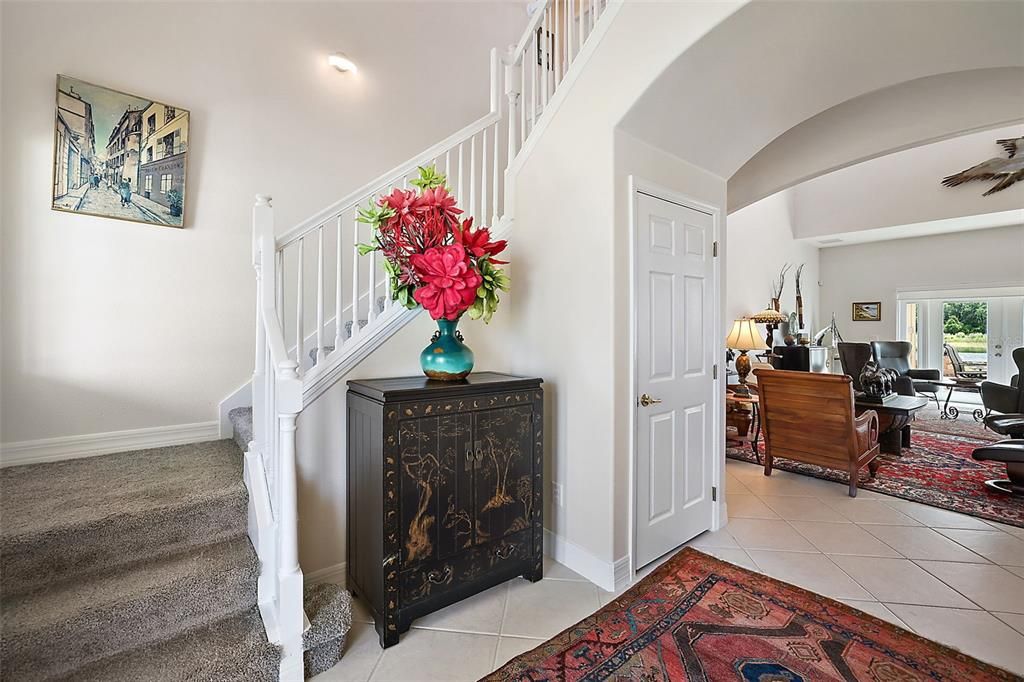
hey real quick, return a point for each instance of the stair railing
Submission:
(321, 306)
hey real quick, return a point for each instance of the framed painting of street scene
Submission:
(118, 155)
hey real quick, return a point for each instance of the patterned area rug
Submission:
(931, 420)
(937, 470)
(699, 618)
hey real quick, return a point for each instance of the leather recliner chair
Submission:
(895, 355)
(1006, 400)
(853, 357)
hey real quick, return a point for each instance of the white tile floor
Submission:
(951, 578)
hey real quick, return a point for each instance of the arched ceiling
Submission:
(910, 114)
(772, 65)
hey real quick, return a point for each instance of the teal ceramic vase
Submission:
(447, 358)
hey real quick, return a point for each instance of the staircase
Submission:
(321, 307)
(137, 566)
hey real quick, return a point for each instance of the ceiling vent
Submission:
(834, 240)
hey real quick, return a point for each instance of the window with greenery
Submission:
(965, 325)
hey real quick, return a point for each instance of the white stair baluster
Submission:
(339, 323)
(319, 294)
(494, 177)
(472, 177)
(483, 180)
(458, 160)
(521, 100)
(545, 62)
(355, 276)
(279, 287)
(299, 340)
(556, 38)
(371, 298)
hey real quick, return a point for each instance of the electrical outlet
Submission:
(557, 494)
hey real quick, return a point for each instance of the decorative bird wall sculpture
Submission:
(1006, 171)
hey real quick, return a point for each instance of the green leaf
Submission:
(365, 248)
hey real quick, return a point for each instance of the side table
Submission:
(734, 401)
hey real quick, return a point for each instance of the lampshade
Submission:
(744, 336)
(769, 316)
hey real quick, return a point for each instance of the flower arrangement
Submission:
(433, 258)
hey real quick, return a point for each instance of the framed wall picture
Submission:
(118, 155)
(867, 311)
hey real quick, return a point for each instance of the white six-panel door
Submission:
(675, 351)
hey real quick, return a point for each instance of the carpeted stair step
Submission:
(241, 426)
(329, 609)
(70, 624)
(73, 518)
(234, 649)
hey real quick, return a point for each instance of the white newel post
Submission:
(289, 574)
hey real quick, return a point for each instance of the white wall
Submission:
(571, 315)
(904, 188)
(877, 271)
(110, 325)
(760, 242)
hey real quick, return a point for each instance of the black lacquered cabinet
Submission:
(444, 491)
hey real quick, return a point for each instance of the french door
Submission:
(983, 326)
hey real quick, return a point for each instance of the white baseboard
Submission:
(240, 397)
(335, 574)
(597, 571)
(73, 447)
(623, 576)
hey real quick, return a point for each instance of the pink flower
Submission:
(449, 281)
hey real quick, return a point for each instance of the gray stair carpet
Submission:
(137, 566)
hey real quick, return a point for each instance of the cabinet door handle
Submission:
(440, 577)
(469, 458)
(505, 552)
(479, 453)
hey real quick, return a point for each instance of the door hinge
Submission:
(714, 494)
(714, 250)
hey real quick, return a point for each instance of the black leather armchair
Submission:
(853, 357)
(895, 355)
(1007, 400)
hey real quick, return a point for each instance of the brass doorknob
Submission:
(647, 401)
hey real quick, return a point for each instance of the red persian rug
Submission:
(699, 618)
(937, 470)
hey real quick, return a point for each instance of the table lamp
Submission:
(771, 318)
(743, 337)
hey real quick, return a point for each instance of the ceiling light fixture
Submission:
(342, 63)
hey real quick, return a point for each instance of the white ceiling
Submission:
(772, 65)
(982, 221)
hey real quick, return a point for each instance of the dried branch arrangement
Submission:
(780, 283)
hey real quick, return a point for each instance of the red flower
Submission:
(478, 242)
(438, 199)
(449, 281)
(403, 202)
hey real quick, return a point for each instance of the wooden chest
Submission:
(444, 491)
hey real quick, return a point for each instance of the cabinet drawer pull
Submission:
(505, 551)
(440, 577)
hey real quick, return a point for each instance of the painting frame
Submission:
(151, 187)
(867, 311)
